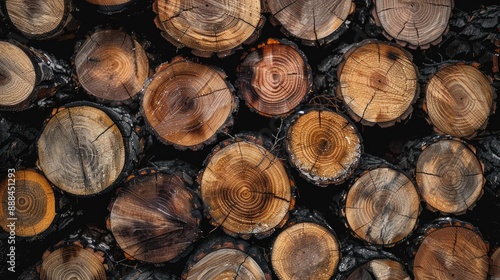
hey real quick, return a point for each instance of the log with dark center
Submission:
(85, 148)
(305, 251)
(211, 26)
(324, 146)
(72, 262)
(155, 217)
(111, 65)
(413, 23)
(380, 269)
(42, 19)
(186, 104)
(378, 83)
(449, 176)
(451, 251)
(274, 78)
(35, 203)
(245, 188)
(382, 207)
(27, 75)
(312, 21)
(458, 100)
(221, 258)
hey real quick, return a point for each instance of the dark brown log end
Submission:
(382, 207)
(378, 83)
(458, 100)
(274, 78)
(187, 103)
(449, 177)
(324, 146)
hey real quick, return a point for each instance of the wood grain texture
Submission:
(380, 269)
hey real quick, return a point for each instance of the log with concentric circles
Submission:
(324, 146)
(187, 103)
(412, 22)
(382, 206)
(377, 83)
(458, 100)
(34, 206)
(312, 21)
(274, 78)
(209, 26)
(111, 65)
(449, 176)
(245, 188)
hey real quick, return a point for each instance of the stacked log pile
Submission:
(278, 139)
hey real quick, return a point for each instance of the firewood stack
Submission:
(171, 139)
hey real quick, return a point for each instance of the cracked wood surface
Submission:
(246, 189)
(380, 269)
(274, 78)
(324, 146)
(313, 21)
(412, 23)
(449, 177)
(305, 250)
(458, 100)
(186, 104)
(378, 83)
(111, 65)
(382, 207)
(155, 217)
(209, 26)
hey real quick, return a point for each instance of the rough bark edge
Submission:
(353, 115)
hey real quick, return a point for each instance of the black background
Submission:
(377, 141)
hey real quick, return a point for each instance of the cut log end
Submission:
(186, 104)
(35, 206)
(155, 216)
(450, 252)
(324, 146)
(382, 207)
(311, 21)
(458, 100)
(449, 177)
(416, 24)
(81, 150)
(111, 65)
(378, 83)
(246, 189)
(379, 269)
(209, 27)
(494, 271)
(305, 251)
(72, 262)
(274, 78)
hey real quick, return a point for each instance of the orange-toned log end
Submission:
(324, 146)
(155, 217)
(449, 177)
(494, 271)
(41, 19)
(378, 83)
(35, 206)
(186, 104)
(81, 150)
(245, 189)
(211, 26)
(416, 24)
(17, 78)
(111, 65)
(312, 21)
(380, 269)
(72, 262)
(305, 251)
(452, 252)
(458, 100)
(382, 207)
(274, 78)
